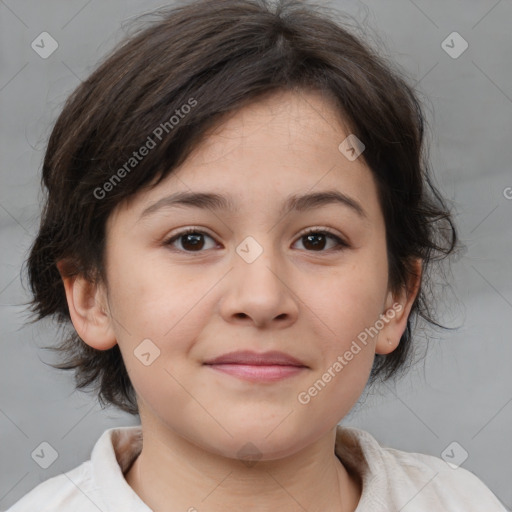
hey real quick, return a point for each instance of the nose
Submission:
(260, 293)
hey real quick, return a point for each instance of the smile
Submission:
(253, 366)
(258, 372)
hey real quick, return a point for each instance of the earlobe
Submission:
(88, 313)
(397, 310)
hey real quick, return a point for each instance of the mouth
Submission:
(247, 365)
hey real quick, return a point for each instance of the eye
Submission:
(316, 239)
(192, 240)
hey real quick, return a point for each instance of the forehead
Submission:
(286, 144)
(300, 120)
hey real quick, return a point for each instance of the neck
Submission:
(178, 475)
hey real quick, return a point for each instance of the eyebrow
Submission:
(294, 202)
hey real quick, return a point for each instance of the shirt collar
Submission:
(111, 457)
(118, 447)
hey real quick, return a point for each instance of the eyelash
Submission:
(340, 244)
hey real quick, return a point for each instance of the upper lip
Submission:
(248, 357)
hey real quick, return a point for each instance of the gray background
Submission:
(463, 391)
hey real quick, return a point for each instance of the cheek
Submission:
(166, 309)
(161, 317)
(341, 316)
(346, 300)
(152, 296)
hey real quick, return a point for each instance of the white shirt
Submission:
(393, 480)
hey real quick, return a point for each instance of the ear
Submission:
(87, 307)
(396, 312)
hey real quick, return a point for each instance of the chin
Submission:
(260, 441)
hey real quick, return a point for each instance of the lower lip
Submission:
(258, 372)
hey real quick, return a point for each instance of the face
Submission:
(255, 274)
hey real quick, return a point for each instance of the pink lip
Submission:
(252, 366)
(246, 357)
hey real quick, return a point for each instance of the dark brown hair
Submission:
(216, 57)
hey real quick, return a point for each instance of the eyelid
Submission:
(342, 242)
(322, 229)
(185, 231)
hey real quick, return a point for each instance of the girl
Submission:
(239, 225)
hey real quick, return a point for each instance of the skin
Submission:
(198, 305)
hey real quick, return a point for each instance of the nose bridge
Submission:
(258, 261)
(258, 285)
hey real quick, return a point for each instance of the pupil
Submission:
(316, 245)
(195, 238)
